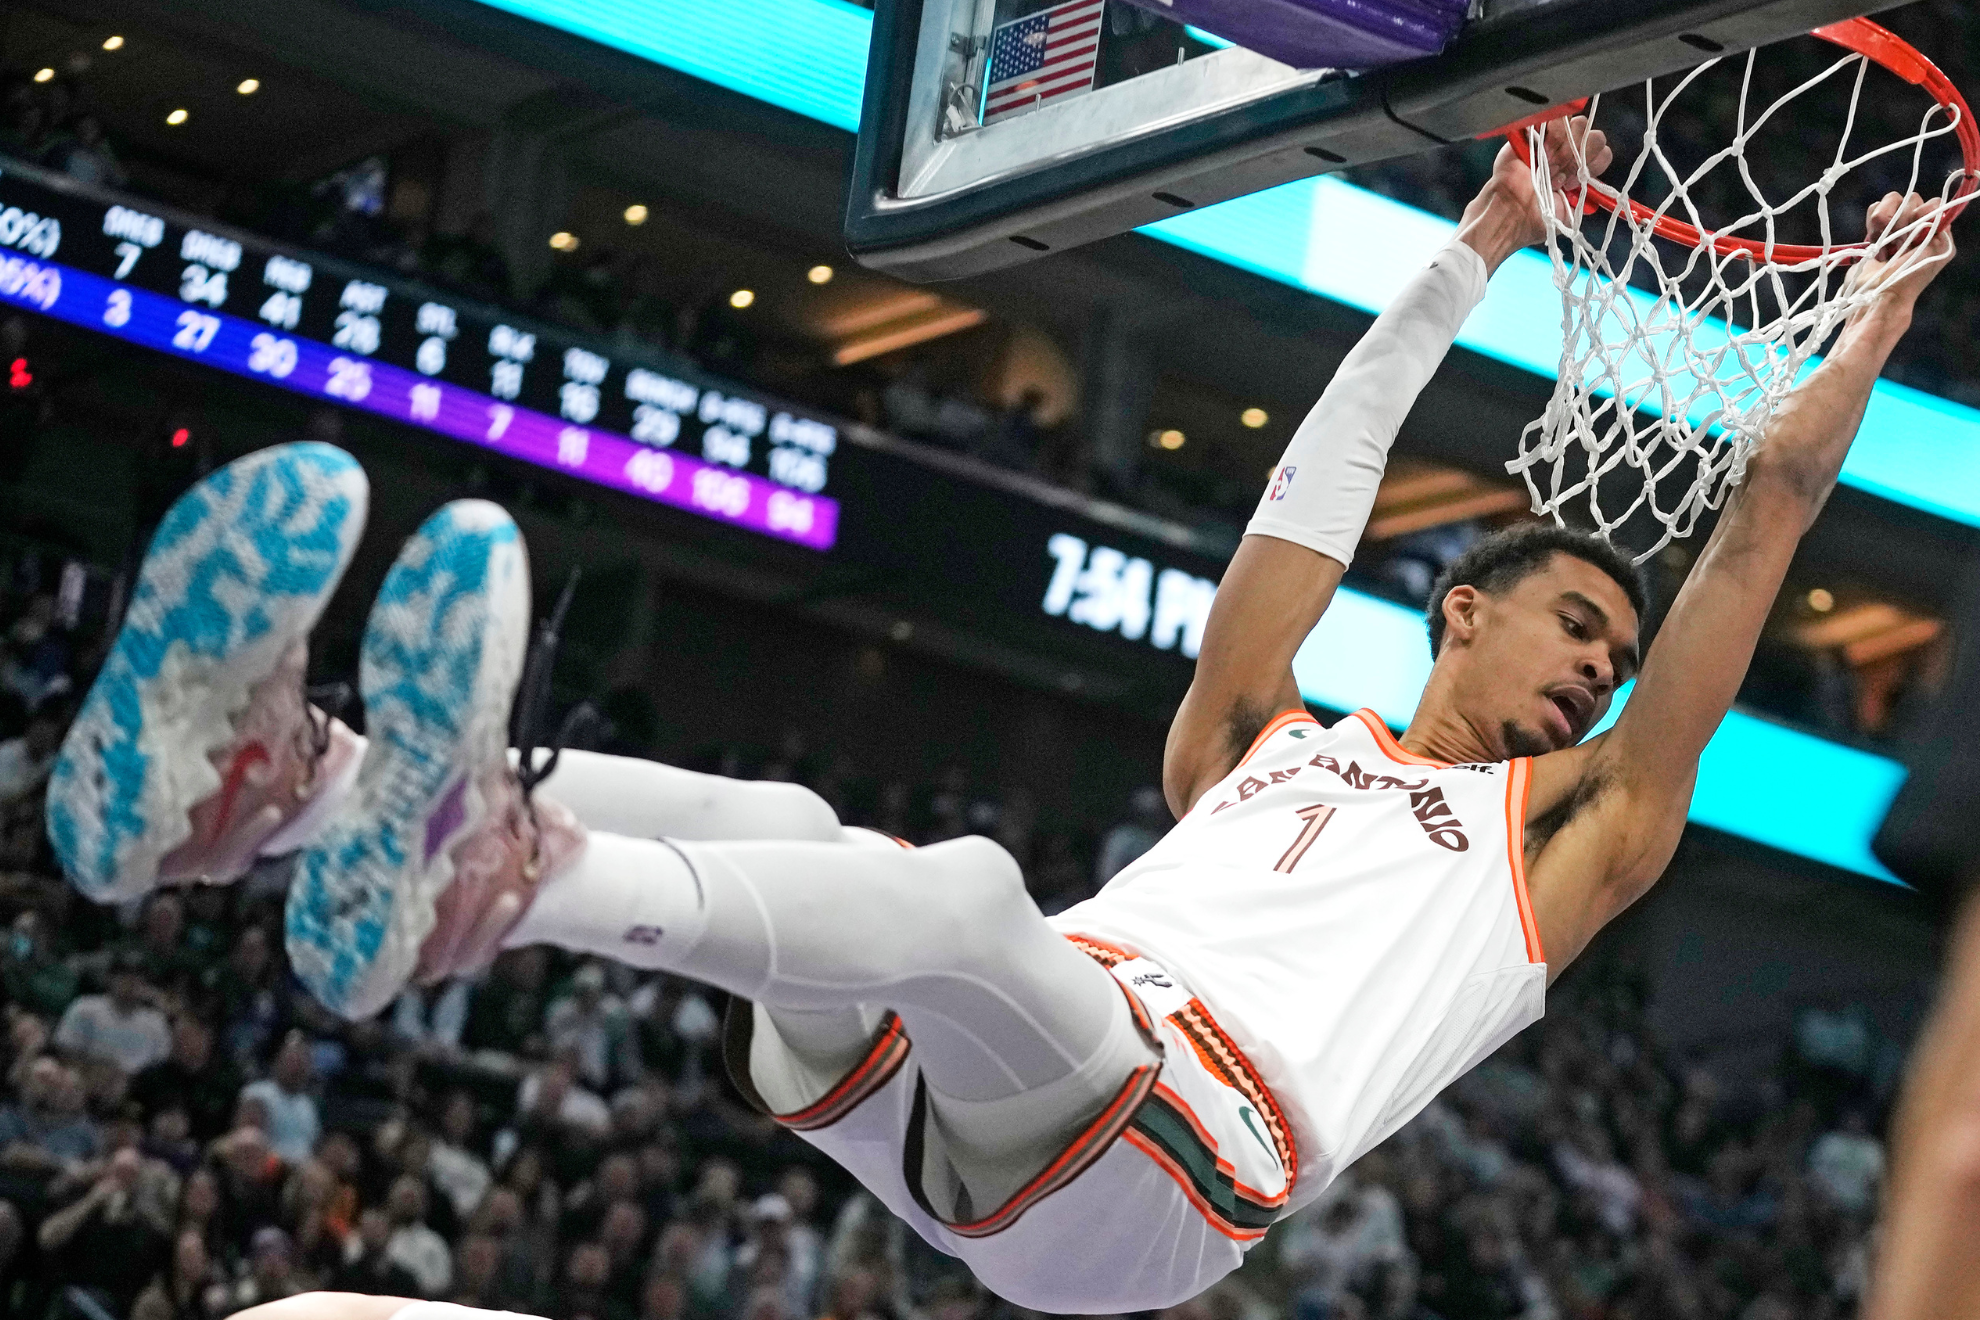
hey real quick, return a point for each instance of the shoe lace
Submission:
(531, 715)
(530, 718)
(323, 704)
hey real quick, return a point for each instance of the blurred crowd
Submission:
(183, 1133)
(1583, 1173)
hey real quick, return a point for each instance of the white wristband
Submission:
(1324, 487)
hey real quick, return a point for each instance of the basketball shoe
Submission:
(197, 749)
(437, 851)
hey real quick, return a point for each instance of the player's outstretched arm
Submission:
(1632, 788)
(1316, 506)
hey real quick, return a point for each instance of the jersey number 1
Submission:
(1313, 820)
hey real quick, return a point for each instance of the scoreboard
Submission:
(643, 423)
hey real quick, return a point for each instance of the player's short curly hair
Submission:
(1509, 556)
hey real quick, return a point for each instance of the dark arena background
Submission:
(943, 553)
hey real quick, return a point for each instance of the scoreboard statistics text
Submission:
(359, 339)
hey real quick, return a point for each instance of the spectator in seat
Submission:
(163, 958)
(502, 1219)
(477, 1272)
(593, 1028)
(1337, 1245)
(192, 1077)
(168, 1137)
(199, 1207)
(25, 761)
(369, 1266)
(293, 1124)
(31, 973)
(251, 992)
(800, 1191)
(102, 1236)
(122, 1027)
(250, 1176)
(623, 1235)
(506, 1009)
(554, 1110)
(48, 1131)
(766, 1257)
(189, 1288)
(271, 1270)
(584, 1295)
(453, 1165)
(423, 1252)
(1847, 1165)
(665, 1298)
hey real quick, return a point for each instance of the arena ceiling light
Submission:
(248, 86)
(113, 43)
(44, 75)
(819, 274)
(637, 213)
(176, 118)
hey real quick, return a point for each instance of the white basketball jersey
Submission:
(1353, 915)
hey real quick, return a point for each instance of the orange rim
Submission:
(1875, 43)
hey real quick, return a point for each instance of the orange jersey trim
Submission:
(889, 1051)
(1282, 720)
(1392, 749)
(1224, 1166)
(1219, 1054)
(1519, 782)
(1210, 1213)
(1078, 1155)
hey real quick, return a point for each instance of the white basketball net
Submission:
(1672, 361)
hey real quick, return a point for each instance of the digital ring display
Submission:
(326, 329)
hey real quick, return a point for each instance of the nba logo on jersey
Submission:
(1281, 482)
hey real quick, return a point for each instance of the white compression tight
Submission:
(757, 889)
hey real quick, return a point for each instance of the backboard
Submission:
(988, 137)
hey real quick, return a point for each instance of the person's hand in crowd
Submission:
(120, 1175)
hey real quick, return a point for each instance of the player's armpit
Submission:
(1593, 846)
(1271, 597)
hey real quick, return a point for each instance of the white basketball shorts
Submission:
(1155, 1200)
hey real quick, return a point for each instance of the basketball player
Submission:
(1100, 1112)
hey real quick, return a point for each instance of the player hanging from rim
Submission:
(1098, 1112)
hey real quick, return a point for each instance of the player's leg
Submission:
(438, 850)
(1928, 1259)
(650, 800)
(196, 750)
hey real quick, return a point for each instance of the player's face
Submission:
(1541, 661)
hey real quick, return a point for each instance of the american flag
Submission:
(1053, 53)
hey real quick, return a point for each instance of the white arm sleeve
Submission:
(1324, 487)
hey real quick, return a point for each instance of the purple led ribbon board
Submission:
(1324, 34)
(250, 349)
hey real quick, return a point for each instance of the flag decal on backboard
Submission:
(1041, 59)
